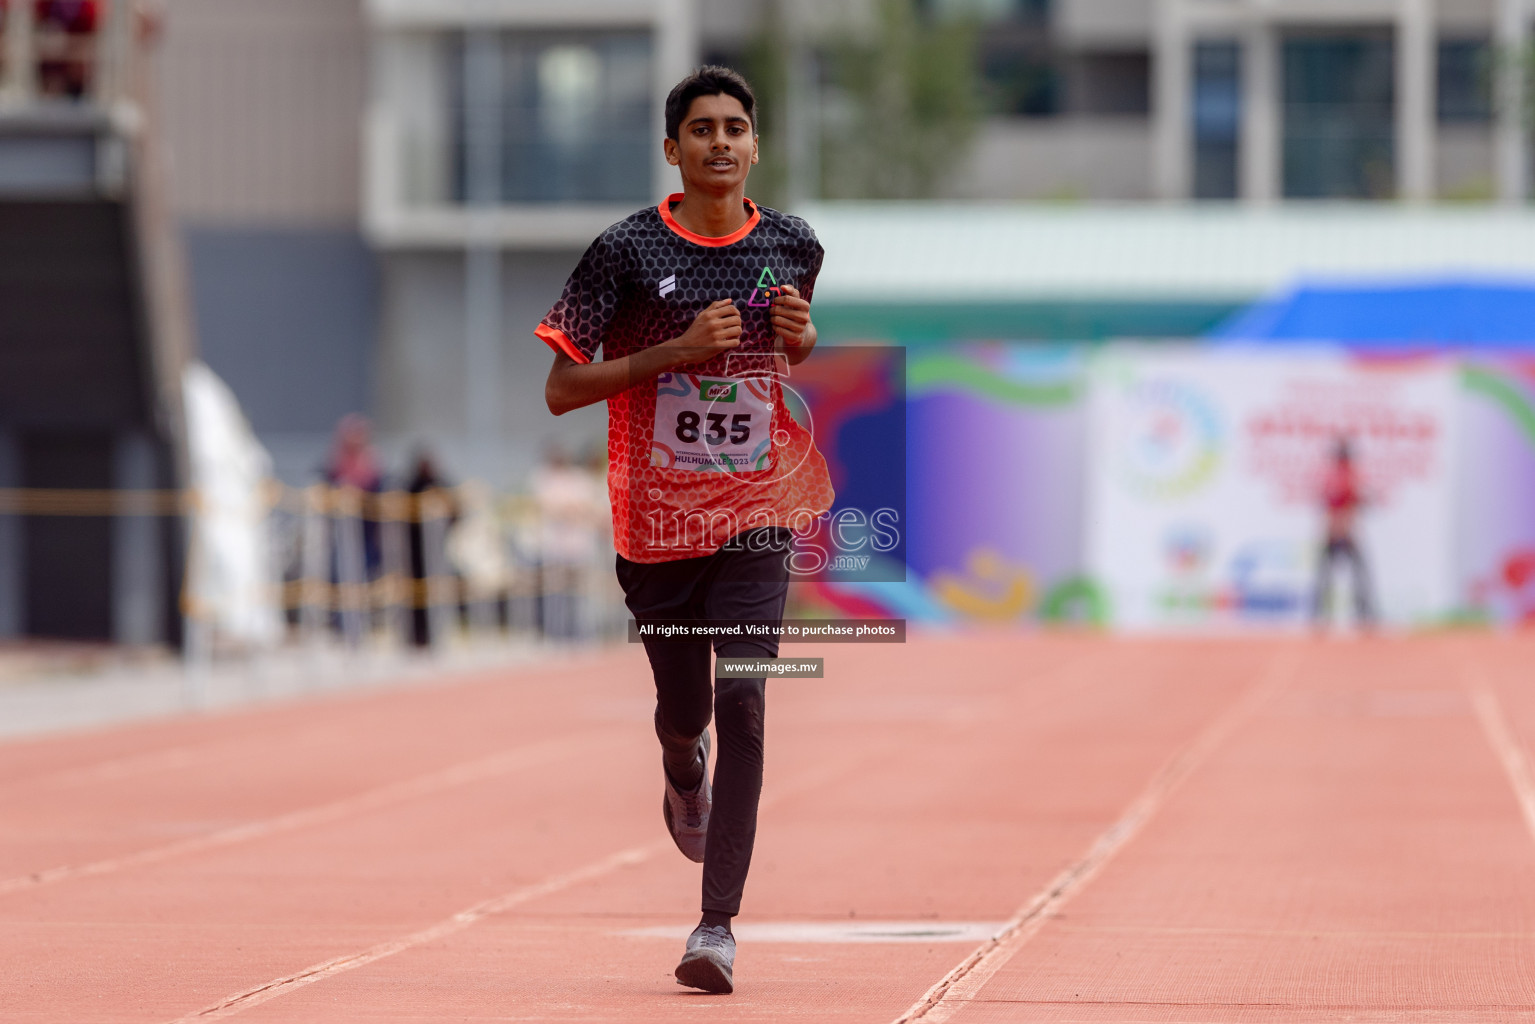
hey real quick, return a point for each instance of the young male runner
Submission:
(697, 305)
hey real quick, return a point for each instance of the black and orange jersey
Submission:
(697, 455)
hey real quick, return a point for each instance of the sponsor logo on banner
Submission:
(1187, 549)
(1173, 444)
(1207, 484)
(1260, 581)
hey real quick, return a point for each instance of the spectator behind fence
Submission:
(66, 33)
(427, 557)
(353, 466)
(570, 507)
(353, 462)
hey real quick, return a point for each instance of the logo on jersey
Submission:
(767, 289)
(668, 285)
(717, 390)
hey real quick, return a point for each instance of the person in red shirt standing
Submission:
(695, 305)
(1341, 500)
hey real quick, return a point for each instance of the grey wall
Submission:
(287, 317)
(67, 568)
(1077, 157)
(422, 377)
(261, 109)
(261, 105)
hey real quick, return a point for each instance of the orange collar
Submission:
(739, 233)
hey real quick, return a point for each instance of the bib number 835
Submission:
(738, 432)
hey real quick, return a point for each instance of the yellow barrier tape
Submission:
(58, 501)
(390, 590)
(345, 502)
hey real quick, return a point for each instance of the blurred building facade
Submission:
(380, 197)
(375, 211)
(263, 108)
(1350, 99)
(1222, 99)
(501, 137)
(377, 199)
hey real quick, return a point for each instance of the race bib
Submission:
(712, 424)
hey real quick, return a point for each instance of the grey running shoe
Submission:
(709, 960)
(687, 814)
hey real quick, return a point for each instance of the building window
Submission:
(1109, 84)
(1020, 71)
(1339, 130)
(1465, 80)
(1217, 119)
(575, 116)
(1020, 80)
(988, 10)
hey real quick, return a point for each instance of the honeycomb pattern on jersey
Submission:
(642, 283)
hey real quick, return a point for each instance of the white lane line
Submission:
(458, 922)
(839, 932)
(1489, 712)
(807, 781)
(969, 977)
(464, 918)
(457, 775)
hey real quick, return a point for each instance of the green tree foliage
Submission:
(1527, 88)
(897, 104)
(912, 101)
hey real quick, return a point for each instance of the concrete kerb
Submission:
(39, 699)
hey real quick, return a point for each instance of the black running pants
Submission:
(1343, 549)
(747, 579)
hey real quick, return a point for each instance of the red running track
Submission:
(1154, 830)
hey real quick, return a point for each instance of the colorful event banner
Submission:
(1205, 478)
(995, 437)
(1176, 486)
(1495, 490)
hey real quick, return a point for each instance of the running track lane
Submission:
(952, 780)
(1360, 851)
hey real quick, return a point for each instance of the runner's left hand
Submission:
(791, 316)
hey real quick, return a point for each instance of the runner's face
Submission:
(715, 145)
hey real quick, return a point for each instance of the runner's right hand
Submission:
(715, 330)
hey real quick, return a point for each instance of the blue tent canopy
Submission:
(1464, 313)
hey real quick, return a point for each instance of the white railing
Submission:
(324, 566)
(429, 569)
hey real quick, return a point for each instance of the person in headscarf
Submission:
(353, 467)
(426, 555)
